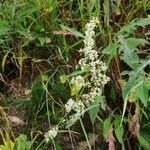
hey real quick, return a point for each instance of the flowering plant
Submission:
(87, 83)
(92, 77)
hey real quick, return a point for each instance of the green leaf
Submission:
(128, 29)
(41, 40)
(4, 27)
(63, 79)
(75, 89)
(8, 145)
(4, 60)
(142, 92)
(75, 32)
(129, 54)
(21, 143)
(106, 127)
(134, 42)
(45, 77)
(94, 111)
(28, 145)
(22, 138)
(118, 129)
(37, 92)
(129, 47)
(111, 50)
(144, 142)
(59, 90)
(131, 84)
(119, 133)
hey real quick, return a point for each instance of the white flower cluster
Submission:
(91, 95)
(51, 133)
(88, 50)
(93, 81)
(77, 107)
(91, 60)
(91, 64)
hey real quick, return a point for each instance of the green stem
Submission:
(85, 134)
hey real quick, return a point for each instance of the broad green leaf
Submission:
(142, 92)
(129, 54)
(28, 145)
(119, 133)
(134, 42)
(131, 84)
(75, 89)
(37, 92)
(22, 138)
(129, 47)
(111, 49)
(106, 127)
(118, 129)
(21, 146)
(60, 90)
(94, 111)
(144, 142)
(21, 143)
(77, 85)
(128, 29)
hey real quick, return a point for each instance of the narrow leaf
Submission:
(75, 32)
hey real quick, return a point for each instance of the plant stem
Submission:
(85, 134)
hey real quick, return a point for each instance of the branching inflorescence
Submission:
(93, 77)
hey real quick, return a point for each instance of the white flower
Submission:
(74, 117)
(79, 80)
(78, 106)
(69, 105)
(51, 133)
(91, 60)
(90, 97)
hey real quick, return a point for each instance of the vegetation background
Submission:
(39, 45)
